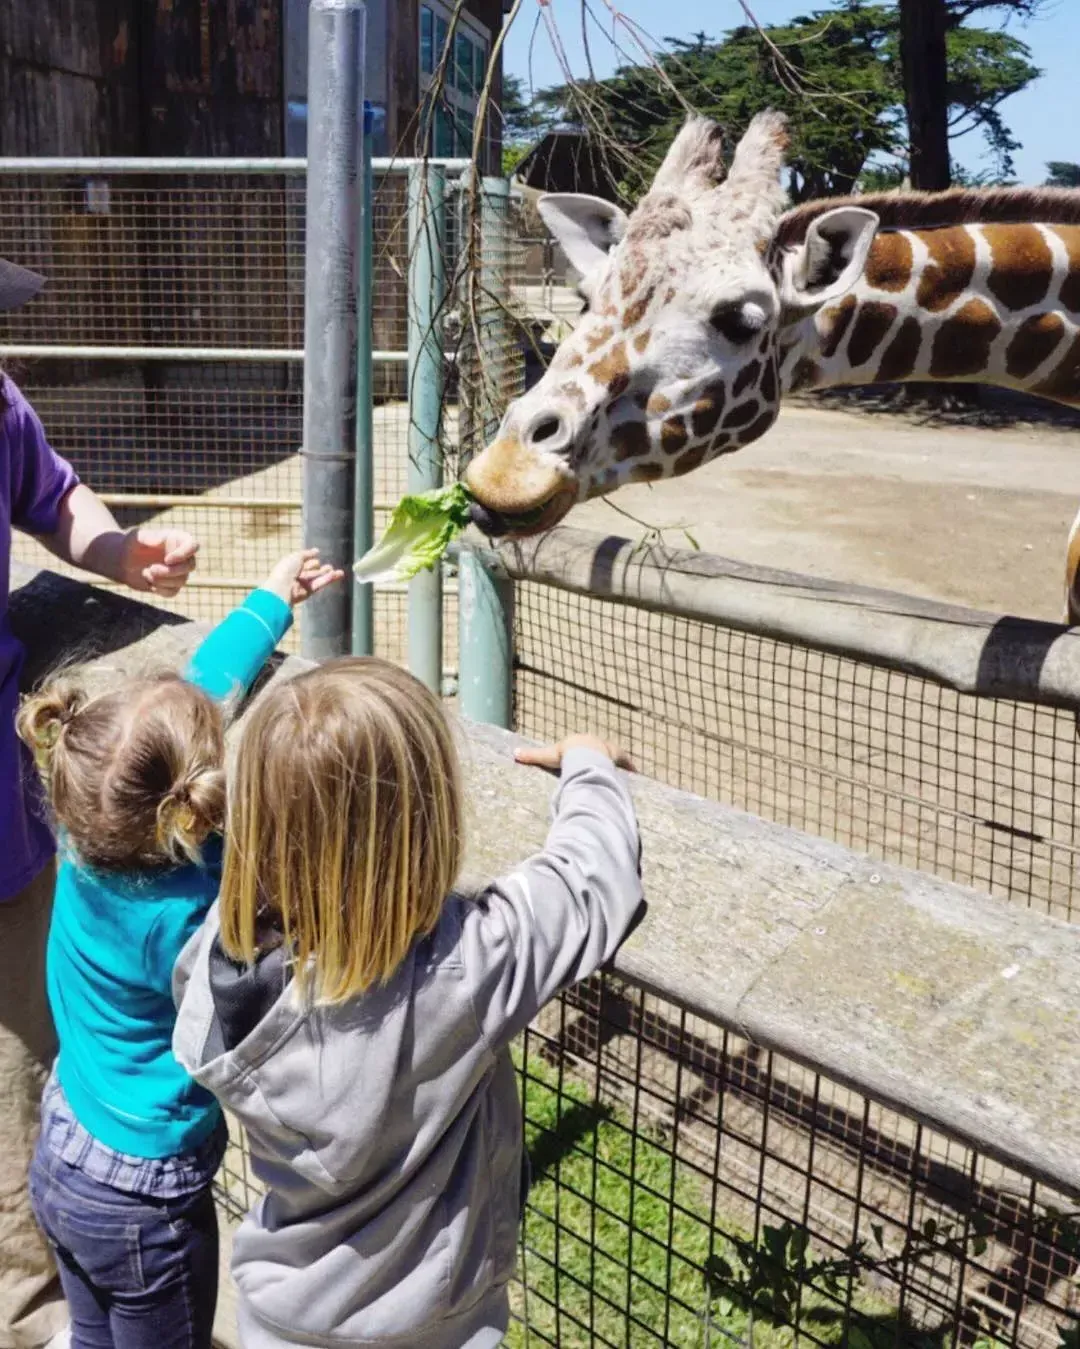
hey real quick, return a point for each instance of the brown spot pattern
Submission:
(687, 462)
(889, 263)
(575, 393)
(741, 415)
(1070, 286)
(612, 370)
(962, 343)
(899, 357)
(673, 435)
(630, 441)
(948, 270)
(806, 374)
(769, 390)
(1021, 264)
(837, 322)
(632, 274)
(646, 472)
(873, 323)
(1033, 343)
(757, 429)
(599, 337)
(658, 404)
(747, 378)
(1063, 382)
(707, 410)
(635, 312)
(642, 341)
(573, 359)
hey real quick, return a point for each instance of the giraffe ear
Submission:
(586, 227)
(830, 259)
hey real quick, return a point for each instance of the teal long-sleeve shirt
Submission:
(113, 942)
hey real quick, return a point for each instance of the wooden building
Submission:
(225, 77)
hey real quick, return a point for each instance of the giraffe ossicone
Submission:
(711, 300)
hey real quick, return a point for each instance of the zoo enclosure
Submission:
(165, 355)
(164, 358)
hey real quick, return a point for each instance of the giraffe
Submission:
(712, 300)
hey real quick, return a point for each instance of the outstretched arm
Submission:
(229, 660)
(563, 913)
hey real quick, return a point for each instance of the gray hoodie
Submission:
(387, 1130)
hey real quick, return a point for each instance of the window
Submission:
(454, 119)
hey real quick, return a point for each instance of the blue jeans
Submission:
(138, 1273)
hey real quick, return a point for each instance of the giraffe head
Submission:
(675, 360)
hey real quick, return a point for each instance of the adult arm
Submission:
(48, 501)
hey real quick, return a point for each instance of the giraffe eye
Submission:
(738, 322)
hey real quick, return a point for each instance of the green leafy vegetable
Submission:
(421, 529)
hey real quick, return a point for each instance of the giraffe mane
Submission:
(930, 210)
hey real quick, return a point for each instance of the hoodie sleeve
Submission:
(564, 913)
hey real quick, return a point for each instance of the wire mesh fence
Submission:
(165, 357)
(689, 1188)
(982, 791)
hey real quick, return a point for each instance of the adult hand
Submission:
(158, 560)
(300, 575)
(551, 756)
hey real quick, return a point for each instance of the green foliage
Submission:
(1062, 174)
(524, 121)
(836, 74)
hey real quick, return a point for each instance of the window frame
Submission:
(457, 104)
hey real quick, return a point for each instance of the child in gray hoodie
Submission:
(355, 1013)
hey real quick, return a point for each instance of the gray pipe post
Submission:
(427, 295)
(335, 113)
(485, 594)
(363, 601)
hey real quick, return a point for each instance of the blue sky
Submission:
(1045, 117)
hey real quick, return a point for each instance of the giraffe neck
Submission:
(985, 303)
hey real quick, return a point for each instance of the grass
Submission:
(618, 1236)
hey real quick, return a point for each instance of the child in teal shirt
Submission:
(129, 1144)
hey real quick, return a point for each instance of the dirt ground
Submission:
(967, 514)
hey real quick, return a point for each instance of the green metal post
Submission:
(485, 595)
(486, 630)
(427, 294)
(363, 605)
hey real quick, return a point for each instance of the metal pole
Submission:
(363, 605)
(486, 641)
(427, 293)
(335, 105)
(495, 291)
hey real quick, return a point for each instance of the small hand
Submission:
(551, 756)
(158, 560)
(300, 575)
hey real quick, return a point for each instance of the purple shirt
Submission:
(33, 482)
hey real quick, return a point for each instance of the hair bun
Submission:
(193, 808)
(43, 717)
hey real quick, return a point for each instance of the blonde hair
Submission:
(135, 776)
(344, 826)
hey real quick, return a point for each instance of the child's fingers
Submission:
(326, 577)
(539, 756)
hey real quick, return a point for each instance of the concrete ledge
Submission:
(954, 1007)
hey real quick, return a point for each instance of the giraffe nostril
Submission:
(546, 429)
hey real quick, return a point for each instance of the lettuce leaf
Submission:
(421, 529)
